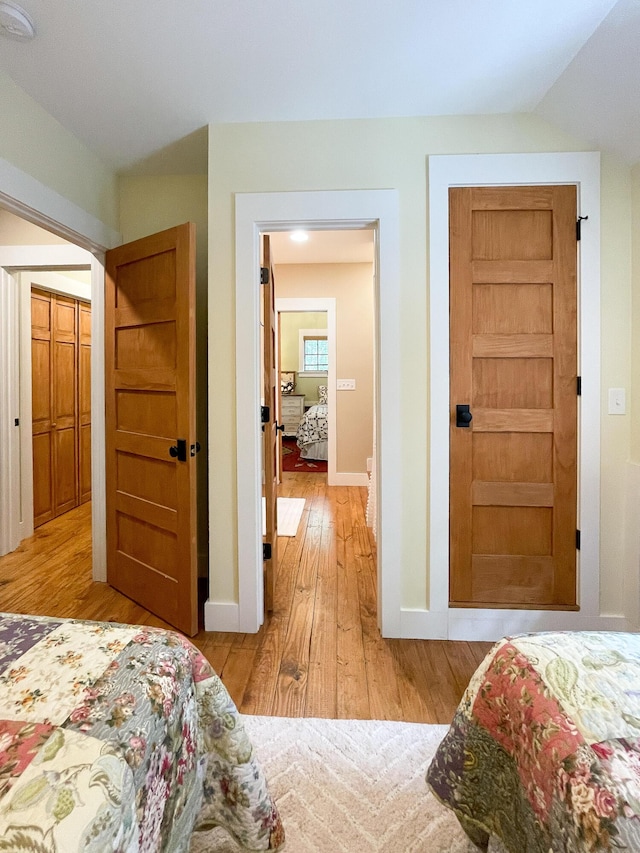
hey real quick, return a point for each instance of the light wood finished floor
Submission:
(319, 654)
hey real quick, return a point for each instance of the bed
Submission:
(313, 433)
(544, 749)
(120, 738)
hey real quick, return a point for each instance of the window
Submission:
(314, 352)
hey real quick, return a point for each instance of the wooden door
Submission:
(513, 333)
(150, 424)
(55, 371)
(84, 402)
(270, 431)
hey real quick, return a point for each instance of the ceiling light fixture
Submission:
(15, 22)
(299, 236)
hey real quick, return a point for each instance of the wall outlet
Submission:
(346, 385)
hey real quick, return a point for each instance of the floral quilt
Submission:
(120, 738)
(544, 749)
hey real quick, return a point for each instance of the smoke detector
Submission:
(14, 22)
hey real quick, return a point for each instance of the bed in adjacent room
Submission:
(312, 436)
(120, 737)
(544, 750)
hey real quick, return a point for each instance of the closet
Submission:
(61, 403)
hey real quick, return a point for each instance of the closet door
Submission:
(84, 401)
(60, 369)
(41, 403)
(65, 404)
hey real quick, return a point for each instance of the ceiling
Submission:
(324, 247)
(138, 81)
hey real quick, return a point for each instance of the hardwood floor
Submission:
(318, 655)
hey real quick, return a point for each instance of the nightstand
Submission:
(291, 411)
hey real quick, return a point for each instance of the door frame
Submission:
(257, 213)
(37, 203)
(286, 305)
(583, 170)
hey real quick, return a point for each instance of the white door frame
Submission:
(257, 213)
(28, 198)
(288, 304)
(583, 170)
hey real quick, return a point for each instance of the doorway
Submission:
(270, 212)
(31, 256)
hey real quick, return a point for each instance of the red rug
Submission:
(291, 460)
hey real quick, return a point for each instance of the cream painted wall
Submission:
(352, 287)
(635, 386)
(393, 153)
(153, 203)
(33, 141)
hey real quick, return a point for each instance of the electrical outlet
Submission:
(346, 384)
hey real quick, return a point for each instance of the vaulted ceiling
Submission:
(137, 80)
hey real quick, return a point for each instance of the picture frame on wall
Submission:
(287, 381)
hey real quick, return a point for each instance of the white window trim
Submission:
(309, 333)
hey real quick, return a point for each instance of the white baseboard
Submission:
(491, 625)
(221, 616)
(342, 479)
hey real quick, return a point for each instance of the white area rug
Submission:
(350, 786)
(289, 515)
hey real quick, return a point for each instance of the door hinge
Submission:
(16, 422)
(579, 226)
(264, 275)
(266, 550)
(265, 414)
(577, 540)
(579, 386)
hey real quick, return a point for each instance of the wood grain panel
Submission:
(513, 456)
(150, 479)
(511, 272)
(505, 235)
(84, 401)
(151, 279)
(512, 346)
(512, 530)
(154, 514)
(152, 379)
(150, 413)
(511, 198)
(152, 346)
(85, 463)
(42, 483)
(512, 580)
(41, 380)
(486, 493)
(512, 420)
(148, 544)
(512, 309)
(513, 383)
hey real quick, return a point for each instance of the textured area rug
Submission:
(350, 786)
(289, 515)
(291, 460)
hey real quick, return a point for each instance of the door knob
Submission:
(280, 427)
(179, 450)
(463, 415)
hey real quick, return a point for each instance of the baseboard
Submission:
(491, 625)
(221, 616)
(342, 479)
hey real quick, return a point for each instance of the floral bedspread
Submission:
(120, 738)
(544, 749)
(314, 426)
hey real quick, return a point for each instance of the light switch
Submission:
(346, 384)
(617, 401)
